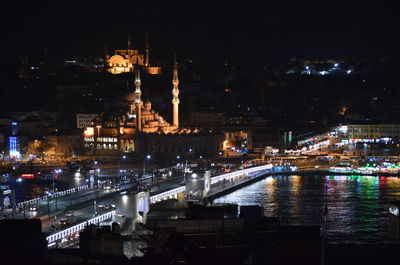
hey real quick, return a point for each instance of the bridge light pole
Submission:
(177, 160)
(95, 203)
(119, 164)
(185, 169)
(54, 188)
(144, 168)
(144, 163)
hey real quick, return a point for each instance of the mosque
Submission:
(141, 129)
(123, 61)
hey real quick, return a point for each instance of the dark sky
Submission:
(258, 29)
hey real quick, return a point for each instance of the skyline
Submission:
(262, 31)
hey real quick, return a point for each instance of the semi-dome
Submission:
(117, 60)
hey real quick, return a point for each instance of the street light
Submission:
(119, 170)
(144, 163)
(54, 188)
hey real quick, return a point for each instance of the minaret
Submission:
(147, 59)
(175, 96)
(138, 100)
(129, 41)
(128, 56)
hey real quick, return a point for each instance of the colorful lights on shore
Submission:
(386, 168)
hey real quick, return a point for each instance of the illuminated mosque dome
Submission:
(117, 60)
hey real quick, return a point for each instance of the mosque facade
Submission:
(142, 129)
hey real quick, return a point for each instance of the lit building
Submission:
(361, 132)
(143, 129)
(124, 61)
(64, 145)
(84, 120)
(56, 146)
(14, 145)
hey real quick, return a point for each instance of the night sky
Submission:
(256, 29)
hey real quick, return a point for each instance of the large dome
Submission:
(117, 60)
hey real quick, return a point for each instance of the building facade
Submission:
(358, 132)
(84, 120)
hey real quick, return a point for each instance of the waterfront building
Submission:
(56, 146)
(372, 132)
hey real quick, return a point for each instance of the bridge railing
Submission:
(166, 194)
(60, 193)
(51, 239)
(240, 172)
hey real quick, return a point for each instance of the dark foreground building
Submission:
(206, 237)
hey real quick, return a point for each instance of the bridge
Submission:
(52, 239)
(144, 199)
(56, 194)
(248, 171)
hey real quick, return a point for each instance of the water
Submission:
(357, 205)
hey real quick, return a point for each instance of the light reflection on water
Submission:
(357, 205)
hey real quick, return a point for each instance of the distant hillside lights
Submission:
(328, 67)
